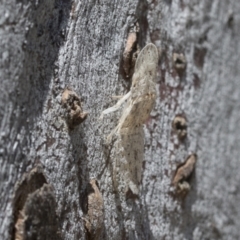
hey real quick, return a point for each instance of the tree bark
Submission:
(57, 172)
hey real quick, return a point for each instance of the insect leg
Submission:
(116, 106)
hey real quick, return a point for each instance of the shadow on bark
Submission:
(45, 24)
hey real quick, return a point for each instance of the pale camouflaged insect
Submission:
(140, 102)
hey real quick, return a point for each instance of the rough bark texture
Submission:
(47, 46)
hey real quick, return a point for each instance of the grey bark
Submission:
(47, 46)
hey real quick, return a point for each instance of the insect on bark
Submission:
(128, 156)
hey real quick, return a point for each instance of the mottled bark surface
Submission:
(47, 46)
